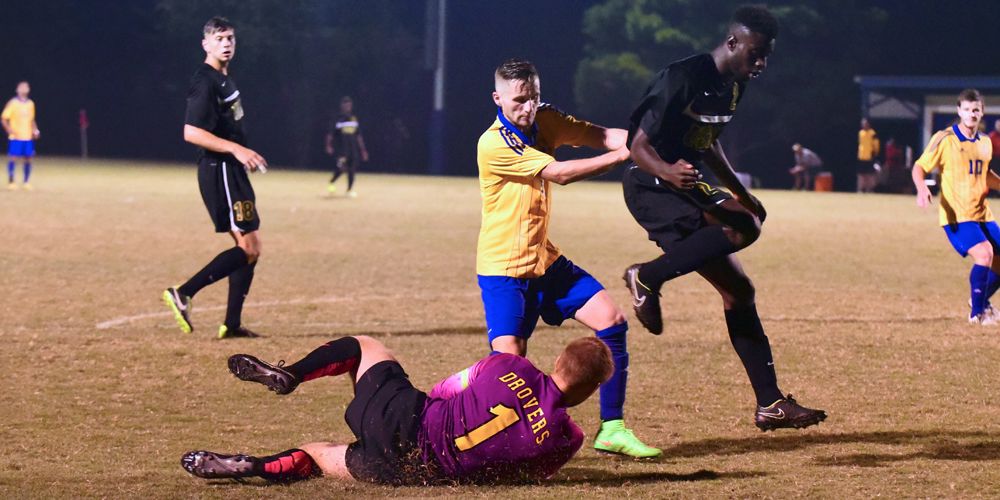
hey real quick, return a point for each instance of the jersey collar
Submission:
(528, 141)
(961, 137)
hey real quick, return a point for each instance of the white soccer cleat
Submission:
(983, 318)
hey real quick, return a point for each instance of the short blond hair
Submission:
(586, 360)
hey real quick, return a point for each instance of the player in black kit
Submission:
(699, 227)
(214, 123)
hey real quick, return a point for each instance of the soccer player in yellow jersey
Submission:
(521, 273)
(963, 156)
(868, 149)
(18, 119)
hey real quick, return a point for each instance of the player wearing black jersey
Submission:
(675, 127)
(345, 142)
(214, 123)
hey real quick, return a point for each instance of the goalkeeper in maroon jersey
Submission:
(499, 421)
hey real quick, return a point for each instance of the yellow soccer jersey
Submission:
(964, 165)
(513, 238)
(22, 119)
(868, 144)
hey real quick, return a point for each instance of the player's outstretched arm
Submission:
(605, 139)
(716, 160)
(205, 139)
(565, 172)
(681, 175)
(923, 193)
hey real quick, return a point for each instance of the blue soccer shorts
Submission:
(966, 235)
(21, 148)
(513, 305)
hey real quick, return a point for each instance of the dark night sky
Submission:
(105, 55)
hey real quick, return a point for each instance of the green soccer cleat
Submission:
(226, 333)
(331, 188)
(181, 307)
(613, 437)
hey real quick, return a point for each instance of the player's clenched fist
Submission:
(681, 175)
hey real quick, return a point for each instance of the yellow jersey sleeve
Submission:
(931, 158)
(8, 110)
(563, 128)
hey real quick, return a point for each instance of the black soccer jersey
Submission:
(345, 129)
(685, 108)
(214, 104)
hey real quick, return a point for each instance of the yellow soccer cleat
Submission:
(615, 438)
(180, 305)
(226, 333)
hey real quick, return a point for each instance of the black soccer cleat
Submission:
(787, 414)
(211, 465)
(251, 369)
(645, 301)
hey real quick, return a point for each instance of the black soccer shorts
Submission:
(385, 416)
(228, 195)
(668, 215)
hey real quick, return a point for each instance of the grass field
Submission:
(861, 296)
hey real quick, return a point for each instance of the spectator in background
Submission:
(896, 178)
(807, 164)
(995, 139)
(868, 149)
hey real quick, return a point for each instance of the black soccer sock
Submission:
(239, 287)
(336, 175)
(287, 466)
(690, 254)
(333, 358)
(221, 266)
(350, 179)
(747, 336)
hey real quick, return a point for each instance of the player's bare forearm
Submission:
(681, 175)
(716, 160)
(605, 139)
(566, 172)
(211, 142)
(993, 181)
(923, 194)
(6, 127)
(207, 140)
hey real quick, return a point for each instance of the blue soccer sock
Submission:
(978, 284)
(27, 171)
(10, 171)
(992, 285)
(613, 391)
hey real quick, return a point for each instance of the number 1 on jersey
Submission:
(504, 417)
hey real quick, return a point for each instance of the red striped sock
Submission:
(291, 465)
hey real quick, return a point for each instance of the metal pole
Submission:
(437, 122)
